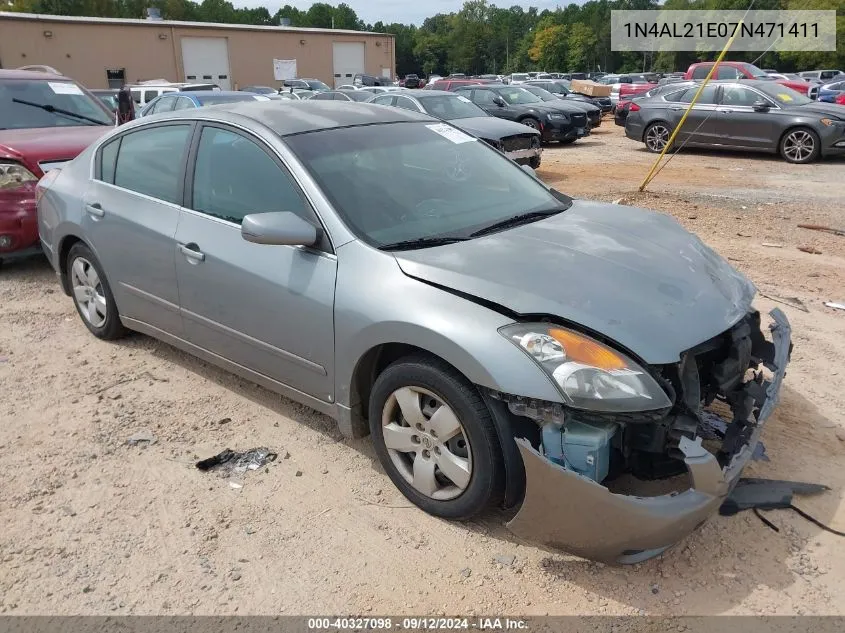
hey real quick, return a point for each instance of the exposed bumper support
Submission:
(564, 510)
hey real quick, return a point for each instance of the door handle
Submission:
(95, 209)
(724, 110)
(192, 251)
(676, 109)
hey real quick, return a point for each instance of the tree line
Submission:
(483, 38)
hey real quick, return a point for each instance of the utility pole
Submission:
(507, 50)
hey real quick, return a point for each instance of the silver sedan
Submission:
(503, 343)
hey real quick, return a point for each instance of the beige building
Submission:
(100, 52)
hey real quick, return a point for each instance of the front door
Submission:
(267, 308)
(132, 210)
(740, 125)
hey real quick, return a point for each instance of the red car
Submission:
(47, 120)
(841, 99)
(742, 70)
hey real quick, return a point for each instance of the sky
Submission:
(405, 11)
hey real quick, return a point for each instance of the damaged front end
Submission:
(723, 392)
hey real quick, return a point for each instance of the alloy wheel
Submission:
(799, 146)
(531, 123)
(656, 137)
(88, 292)
(427, 443)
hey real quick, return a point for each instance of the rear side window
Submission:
(150, 161)
(700, 72)
(708, 95)
(728, 72)
(149, 95)
(108, 161)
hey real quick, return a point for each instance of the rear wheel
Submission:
(656, 136)
(800, 145)
(92, 295)
(435, 438)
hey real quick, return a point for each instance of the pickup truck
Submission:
(744, 70)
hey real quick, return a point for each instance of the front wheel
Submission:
(532, 123)
(92, 295)
(435, 438)
(656, 137)
(800, 145)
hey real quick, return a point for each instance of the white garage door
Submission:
(348, 61)
(206, 60)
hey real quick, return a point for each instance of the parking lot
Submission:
(93, 525)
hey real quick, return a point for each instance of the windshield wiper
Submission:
(422, 242)
(516, 220)
(54, 110)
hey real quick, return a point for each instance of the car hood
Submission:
(634, 276)
(820, 107)
(492, 127)
(49, 144)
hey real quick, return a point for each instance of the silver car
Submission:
(503, 344)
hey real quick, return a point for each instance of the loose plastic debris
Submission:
(835, 306)
(142, 438)
(229, 462)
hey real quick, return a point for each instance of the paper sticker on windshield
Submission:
(464, 99)
(450, 133)
(784, 97)
(64, 88)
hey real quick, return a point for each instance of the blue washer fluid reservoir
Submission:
(580, 447)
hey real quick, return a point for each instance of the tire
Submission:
(86, 280)
(432, 384)
(534, 162)
(800, 145)
(654, 134)
(532, 123)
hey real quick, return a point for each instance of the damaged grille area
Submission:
(519, 142)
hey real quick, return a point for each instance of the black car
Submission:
(515, 104)
(361, 80)
(593, 112)
(561, 87)
(412, 81)
(518, 142)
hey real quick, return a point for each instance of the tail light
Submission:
(14, 175)
(45, 183)
(634, 107)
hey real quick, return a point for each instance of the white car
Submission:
(518, 78)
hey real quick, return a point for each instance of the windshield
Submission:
(753, 71)
(520, 77)
(316, 84)
(451, 107)
(407, 181)
(216, 99)
(79, 107)
(517, 96)
(545, 95)
(783, 95)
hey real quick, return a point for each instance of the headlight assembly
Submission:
(557, 116)
(14, 175)
(589, 374)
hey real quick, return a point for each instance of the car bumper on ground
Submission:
(18, 221)
(564, 510)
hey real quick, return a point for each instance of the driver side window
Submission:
(234, 177)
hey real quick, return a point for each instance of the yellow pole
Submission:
(650, 175)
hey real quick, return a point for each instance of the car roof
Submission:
(31, 74)
(431, 93)
(297, 117)
(210, 93)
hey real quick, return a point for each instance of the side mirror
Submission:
(499, 101)
(281, 228)
(761, 106)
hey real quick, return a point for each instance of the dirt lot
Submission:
(91, 525)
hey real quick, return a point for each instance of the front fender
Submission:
(399, 309)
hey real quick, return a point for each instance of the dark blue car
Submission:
(196, 99)
(829, 91)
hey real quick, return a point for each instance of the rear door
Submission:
(132, 209)
(701, 125)
(267, 308)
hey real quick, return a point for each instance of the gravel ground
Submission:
(94, 526)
